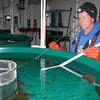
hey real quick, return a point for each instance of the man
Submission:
(89, 34)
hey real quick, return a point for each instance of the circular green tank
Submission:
(15, 40)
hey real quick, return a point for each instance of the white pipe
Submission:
(12, 17)
(43, 23)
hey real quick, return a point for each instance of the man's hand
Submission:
(54, 45)
(92, 52)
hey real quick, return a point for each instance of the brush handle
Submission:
(75, 57)
(68, 61)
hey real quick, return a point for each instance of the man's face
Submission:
(85, 20)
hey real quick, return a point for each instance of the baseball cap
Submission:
(90, 8)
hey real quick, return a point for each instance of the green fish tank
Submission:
(56, 83)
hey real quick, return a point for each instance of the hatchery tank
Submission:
(15, 40)
(53, 84)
